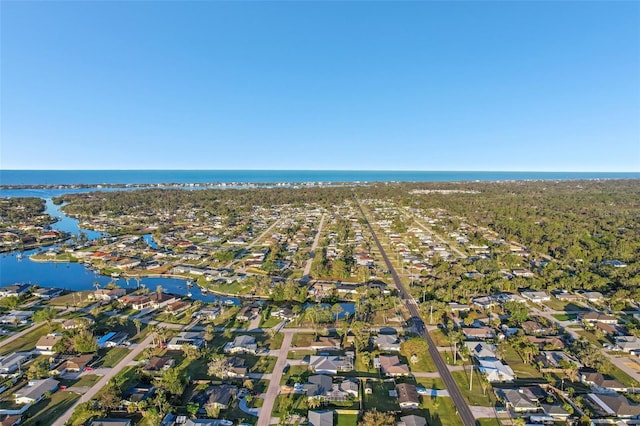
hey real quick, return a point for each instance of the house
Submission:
(547, 342)
(408, 397)
(592, 296)
(517, 400)
(47, 293)
(283, 313)
(10, 363)
(330, 364)
(594, 317)
(248, 312)
(557, 362)
(557, 412)
(107, 295)
(16, 290)
(628, 343)
(110, 422)
(219, 396)
(320, 418)
(412, 420)
(45, 344)
(326, 343)
(242, 344)
(16, 317)
(533, 327)
(536, 296)
(481, 350)
(191, 338)
(600, 383)
(158, 363)
(478, 332)
(236, 368)
(10, 420)
(391, 366)
(74, 323)
(565, 296)
(318, 385)
(137, 393)
(35, 390)
(457, 307)
(387, 342)
(496, 371)
(207, 313)
(112, 339)
(613, 405)
(72, 365)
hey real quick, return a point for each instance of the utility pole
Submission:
(430, 313)
(471, 380)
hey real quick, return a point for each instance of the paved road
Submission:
(626, 363)
(439, 238)
(255, 241)
(314, 246)
(104, 380)
(464, 411)
(274, 383)
(21, 333)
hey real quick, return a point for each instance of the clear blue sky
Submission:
(540, 85)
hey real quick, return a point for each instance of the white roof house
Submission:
(35, 390)
(496, 371)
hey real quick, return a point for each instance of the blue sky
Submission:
(543, 85)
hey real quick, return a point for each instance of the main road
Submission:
(461, 405)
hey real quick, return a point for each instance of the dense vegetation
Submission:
(574, 226)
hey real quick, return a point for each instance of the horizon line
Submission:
(320, 170)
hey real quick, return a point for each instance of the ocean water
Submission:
(73, 177)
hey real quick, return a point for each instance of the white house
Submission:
(35, 390)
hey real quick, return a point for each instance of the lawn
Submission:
(621, 376)
(425, 364)
(438, 411)
(474, 396)
(76, 298)
(48, 410)
(439, 339)
(27, 342)
(556, 304)
(379, 398)
(112, 357)
(489, 422)
(565, 317)
(523, 370)
(302, 340)
(301, 354)
(347, 419)
(590, 336)
(270, 322)
(88, 380)
(297, 373)
(430, 382)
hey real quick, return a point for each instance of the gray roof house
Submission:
(387, 342)
(242, 344)
(320, 418)
(110, 422)
(329, 364)
(186, 338)
(11, 363)
(412, 420)
(35, 390)
(318, 385)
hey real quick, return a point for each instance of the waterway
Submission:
(17, 267)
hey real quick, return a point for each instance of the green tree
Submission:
(38, 369)
(377, 418)
(173, 380)
(45, 315)
(414, 348)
